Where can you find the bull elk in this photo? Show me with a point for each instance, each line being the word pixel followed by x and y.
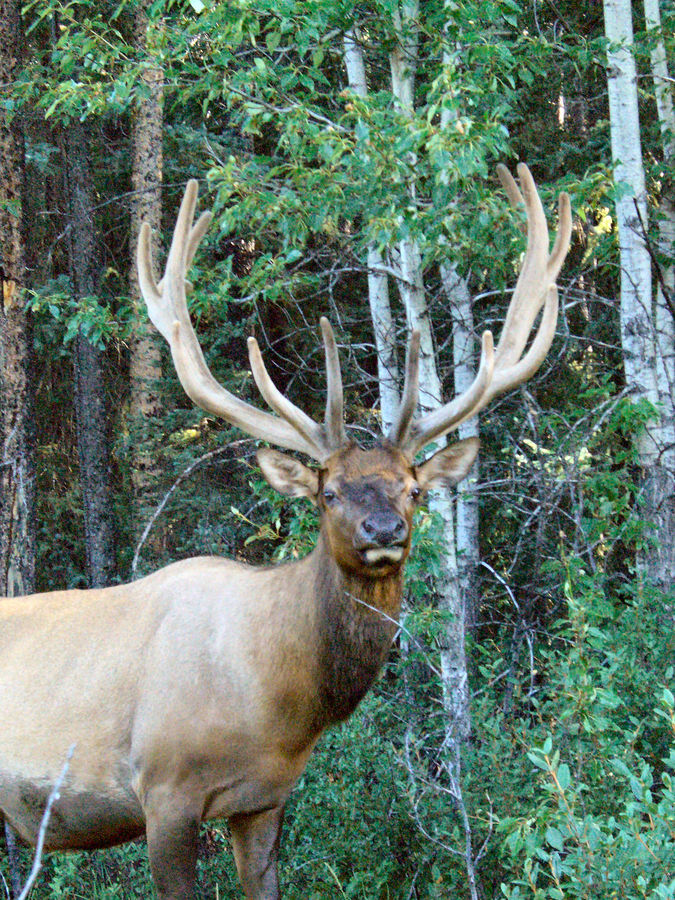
pixel 200 691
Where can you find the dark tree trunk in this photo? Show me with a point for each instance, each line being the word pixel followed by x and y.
pixel 93 432
pixel 146 359
pixel 17 515
pixel 17 436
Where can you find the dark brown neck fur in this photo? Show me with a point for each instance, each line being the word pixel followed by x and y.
pixel 356 617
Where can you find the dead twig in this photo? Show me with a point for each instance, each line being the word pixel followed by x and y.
pixel 670 303
pixel 230 450
pixel 51 800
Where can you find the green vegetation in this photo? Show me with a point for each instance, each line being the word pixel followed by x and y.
pixel 567 781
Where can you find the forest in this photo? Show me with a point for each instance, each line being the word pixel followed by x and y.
pixel 519 742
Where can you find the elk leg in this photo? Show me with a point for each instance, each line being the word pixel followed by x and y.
pixel 173 838
pixel 255 840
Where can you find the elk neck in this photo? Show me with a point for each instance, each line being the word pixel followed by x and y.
pixel 355 621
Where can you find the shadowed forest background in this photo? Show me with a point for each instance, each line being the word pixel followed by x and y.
pixel 521 740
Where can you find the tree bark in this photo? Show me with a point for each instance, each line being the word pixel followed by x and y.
pixel 17 438
pixel 378 282
pixel 639 317
pixel 146 358
pixel 17 432
pixel 456 289
pixel 93 430
pixel 664 479
pixel 403 61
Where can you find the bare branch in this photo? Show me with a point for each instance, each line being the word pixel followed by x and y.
pixel 39 847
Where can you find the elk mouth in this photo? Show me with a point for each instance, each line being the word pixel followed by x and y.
pixel 382 556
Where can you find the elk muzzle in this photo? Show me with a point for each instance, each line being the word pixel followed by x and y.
pixel 382 537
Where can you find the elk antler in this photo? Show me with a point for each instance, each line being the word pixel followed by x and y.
pixel 167 307
pixel 501 369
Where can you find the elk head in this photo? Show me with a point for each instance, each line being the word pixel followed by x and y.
pixel 366 497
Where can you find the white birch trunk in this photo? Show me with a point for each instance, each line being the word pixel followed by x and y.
pixel 456 290
pixel 664 476
pixel 637 333
pixel 403 59
pixel 640 320
pixel 378 283
pixel 665 320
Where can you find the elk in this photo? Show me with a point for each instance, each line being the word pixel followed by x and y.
pixel 199 691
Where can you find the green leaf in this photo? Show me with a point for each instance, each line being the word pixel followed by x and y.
pixel 564 778
pixel 554 838
pixel 538 760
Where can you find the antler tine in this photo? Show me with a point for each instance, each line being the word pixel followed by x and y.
pixel 504 379
pixel 437 423
pixel 300 421
pixel 334 418
pixel 512 190
pixel 400 428
pixel 562 238
pixel 535 287
pixel 168 311
pixel 167 306
pixel 203 389
pixel 530 291
pixel 146 279
pixel 197 232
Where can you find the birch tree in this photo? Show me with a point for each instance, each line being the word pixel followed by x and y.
pixel 378 280
pixel 408 262
pixel 646 337
pixel 456 289
pixel 665 221
pixel 403 64
pixel 408 266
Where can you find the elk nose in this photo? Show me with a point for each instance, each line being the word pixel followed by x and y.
pixel 383 529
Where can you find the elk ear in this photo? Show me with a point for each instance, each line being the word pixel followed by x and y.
pixel 449 466
pixel 287 475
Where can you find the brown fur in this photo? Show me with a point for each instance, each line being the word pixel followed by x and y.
pixel 201 690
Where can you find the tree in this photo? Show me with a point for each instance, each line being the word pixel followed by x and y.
pixel 17 522
pixel 646 323
pixel 17 497
pixel 146 206
pixel 93 427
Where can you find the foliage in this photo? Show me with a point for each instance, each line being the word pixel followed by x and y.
pixel 602 821
pixel 567 781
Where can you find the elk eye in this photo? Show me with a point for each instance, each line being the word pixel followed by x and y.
pixel 415 493
pixel 329 495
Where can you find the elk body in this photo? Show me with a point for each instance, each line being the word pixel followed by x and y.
pixel 201 690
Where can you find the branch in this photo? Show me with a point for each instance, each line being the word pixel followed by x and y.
pixel 659 274
pixel 53 797
pixel 207 457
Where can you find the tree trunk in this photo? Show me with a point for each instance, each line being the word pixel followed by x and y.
pixel 664 480
pixel 639 326
pixel 17 434
pixel 146 359
pixel 403 59
pixel 378 282
pixel 93 431
pixel 17 439
pixel 456 290
pixel 468 549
